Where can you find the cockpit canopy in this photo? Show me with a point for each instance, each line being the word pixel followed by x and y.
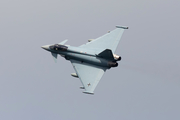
pixel 57 47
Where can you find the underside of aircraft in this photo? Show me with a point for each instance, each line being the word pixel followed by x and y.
pixel 92 59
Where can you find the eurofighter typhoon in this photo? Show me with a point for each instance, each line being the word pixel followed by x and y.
pixel 92 59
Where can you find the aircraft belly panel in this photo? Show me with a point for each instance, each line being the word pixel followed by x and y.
pixel 89 59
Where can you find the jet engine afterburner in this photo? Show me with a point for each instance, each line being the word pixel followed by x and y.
pixel 112 64
pixel 117 57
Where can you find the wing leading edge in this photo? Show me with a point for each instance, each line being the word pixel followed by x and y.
pixel 108 41
pixel 89 75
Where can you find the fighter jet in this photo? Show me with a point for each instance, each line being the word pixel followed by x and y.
pixel 92 59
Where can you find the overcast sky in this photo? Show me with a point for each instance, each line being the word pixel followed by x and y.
pixel 145 85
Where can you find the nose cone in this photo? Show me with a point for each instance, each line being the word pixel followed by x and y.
pixel 46 47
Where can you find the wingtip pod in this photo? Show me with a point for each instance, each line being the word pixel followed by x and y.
pixel 123 27
pixel 88 92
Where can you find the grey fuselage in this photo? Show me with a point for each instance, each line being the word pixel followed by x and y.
pixel 82 55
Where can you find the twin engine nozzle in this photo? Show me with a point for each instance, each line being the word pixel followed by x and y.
pixel 112 64
pixel 117 57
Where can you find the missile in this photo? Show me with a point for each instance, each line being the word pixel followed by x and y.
pixel 74 75
pixel 82 87
pixel 90 40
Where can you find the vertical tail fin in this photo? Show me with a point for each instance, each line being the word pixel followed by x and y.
pixel 106 54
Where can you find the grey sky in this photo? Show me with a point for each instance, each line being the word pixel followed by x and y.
pixel 145 86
